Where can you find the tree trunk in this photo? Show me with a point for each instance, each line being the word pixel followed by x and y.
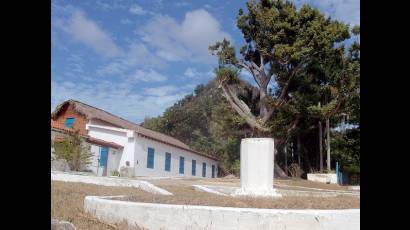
pixel 286 158
pixel 320 147
pixel 298 149
pixel 328 143
pixel 278 172
pixel 263 93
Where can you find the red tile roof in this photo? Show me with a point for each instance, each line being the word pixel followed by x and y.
pixel 104 143
pixel 92 112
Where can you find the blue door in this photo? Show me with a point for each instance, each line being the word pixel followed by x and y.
pixel 103 156
pixel 213 171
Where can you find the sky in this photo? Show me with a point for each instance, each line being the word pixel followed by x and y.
pixel 135 58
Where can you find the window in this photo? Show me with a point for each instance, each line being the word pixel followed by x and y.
pixel 213 171
pixel 69 122
pixel 168 162
pixel 181 165
pixel 203 169
pixel 193 167
pixel 150 158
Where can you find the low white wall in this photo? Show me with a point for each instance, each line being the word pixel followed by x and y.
pixel 323 177
pixel 108 181
pixel 169 217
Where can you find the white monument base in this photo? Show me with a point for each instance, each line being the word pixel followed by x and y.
pixel 257 156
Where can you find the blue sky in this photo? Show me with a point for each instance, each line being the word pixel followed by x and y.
pixel 136 58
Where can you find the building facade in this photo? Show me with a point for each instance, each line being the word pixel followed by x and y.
pixel 117 144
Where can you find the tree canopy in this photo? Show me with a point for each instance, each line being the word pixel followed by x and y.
pixel 287 46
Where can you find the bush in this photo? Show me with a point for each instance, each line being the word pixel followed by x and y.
pixel 115 173
pixel 295 170
pixel 72 150
pixel 236 168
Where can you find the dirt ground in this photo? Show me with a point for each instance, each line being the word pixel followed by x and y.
pixel 184 193
pixel 67 199
pixel 295 184
pixel 67 202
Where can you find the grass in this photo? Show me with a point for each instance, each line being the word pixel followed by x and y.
pixel 67 202
pixel 67 199
pixel 188 196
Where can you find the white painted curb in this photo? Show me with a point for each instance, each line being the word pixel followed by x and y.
pixel 108 181
pixel 205 189
pixel 175 217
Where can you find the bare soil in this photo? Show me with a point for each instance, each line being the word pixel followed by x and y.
pixel 67 199
pixel 67 203
pixel 185 194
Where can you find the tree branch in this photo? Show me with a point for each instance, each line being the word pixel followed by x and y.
pixel 244 65
pixel 242 109
pixel 292 126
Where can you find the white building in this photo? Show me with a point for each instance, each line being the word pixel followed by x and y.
pixel 117 143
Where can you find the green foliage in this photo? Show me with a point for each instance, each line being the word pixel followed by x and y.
pixel 236 168
pixel 228 74
pixel 206 122
pixel 73 151
pixel 303 52
pixel 115 173
pixel 346 150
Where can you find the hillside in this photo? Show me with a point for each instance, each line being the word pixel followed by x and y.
pixel 204 121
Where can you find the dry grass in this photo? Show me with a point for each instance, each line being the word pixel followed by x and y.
pixel 188 196
pixel 67 199
pixel 309 184
pixel 236 183
pixel 67 202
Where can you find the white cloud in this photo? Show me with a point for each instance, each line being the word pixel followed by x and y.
pixel 89 33
pixel 138 10
pixel 189 72
pixel 193 73
pixel 161 90
pixel 138 55
pixel 347 11
pixel 188 40
pixel 126 21
pixel 110 5
pixel 76 63
pixel 182 4
pixel 148 76
pixel 116 98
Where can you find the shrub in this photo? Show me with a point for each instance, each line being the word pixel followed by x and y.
pixel 236 167
pixel 73 151
pixel 115 173
pixel 295 170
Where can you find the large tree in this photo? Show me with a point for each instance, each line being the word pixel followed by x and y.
pixel 283 45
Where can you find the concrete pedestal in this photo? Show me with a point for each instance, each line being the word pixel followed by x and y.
pixel 257 156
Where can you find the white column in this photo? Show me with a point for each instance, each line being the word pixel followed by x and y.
pixel 257 160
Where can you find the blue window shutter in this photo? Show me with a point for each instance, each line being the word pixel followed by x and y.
pixel 213 171
pixel 168 162
pixel 181 165
pixel 203 169
pixel 69 122
pixel 193 167
pixel 150 158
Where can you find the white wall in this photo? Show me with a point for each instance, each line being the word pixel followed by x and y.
pixel 170 217
pixel 141 153
pixel 136 150
pixel 323 177
pixel 118 136
pixel 95 151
